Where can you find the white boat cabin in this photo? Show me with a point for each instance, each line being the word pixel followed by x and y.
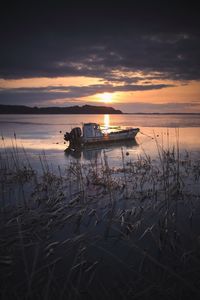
pixel 91 130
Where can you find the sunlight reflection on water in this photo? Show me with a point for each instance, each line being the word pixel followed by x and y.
pixel 43 132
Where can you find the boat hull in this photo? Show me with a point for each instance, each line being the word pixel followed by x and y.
pixel 113 137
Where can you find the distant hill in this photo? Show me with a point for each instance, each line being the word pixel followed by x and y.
pixel 85 109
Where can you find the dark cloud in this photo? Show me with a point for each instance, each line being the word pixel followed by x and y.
pixel 52 93
pixel 80 38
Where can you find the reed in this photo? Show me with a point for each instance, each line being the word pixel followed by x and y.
pixel 75 228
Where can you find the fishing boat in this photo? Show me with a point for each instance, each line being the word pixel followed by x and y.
pixel 92 134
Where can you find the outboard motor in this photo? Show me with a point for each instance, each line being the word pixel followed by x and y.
pixel 75 133
pixel 74 137
pixel 66 136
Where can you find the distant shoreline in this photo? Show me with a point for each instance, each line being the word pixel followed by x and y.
pixel 85 109
pixel 172 113
pixel 76 110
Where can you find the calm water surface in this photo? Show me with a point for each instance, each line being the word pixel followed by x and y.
pixel 38 133
pixel 106 242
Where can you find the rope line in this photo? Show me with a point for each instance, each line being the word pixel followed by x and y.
pixel 147 135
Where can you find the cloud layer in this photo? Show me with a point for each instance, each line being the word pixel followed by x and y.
pixel 93 40
pixel 129 44
pixel 36 95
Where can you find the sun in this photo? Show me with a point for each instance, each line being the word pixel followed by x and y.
pixel 106 97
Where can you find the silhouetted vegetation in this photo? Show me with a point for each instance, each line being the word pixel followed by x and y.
pixel 95 232
pixel 85 109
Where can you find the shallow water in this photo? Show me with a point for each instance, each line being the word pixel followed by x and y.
pixel 117 238
pixel 44 133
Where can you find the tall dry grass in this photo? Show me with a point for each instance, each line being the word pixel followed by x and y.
pixel 95 232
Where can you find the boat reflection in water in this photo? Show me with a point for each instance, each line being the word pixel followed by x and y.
pixel 89 141
pixel 92 152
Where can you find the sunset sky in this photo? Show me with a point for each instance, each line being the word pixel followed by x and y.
pixel 137 57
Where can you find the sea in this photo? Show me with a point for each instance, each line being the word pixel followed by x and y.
pixel 43 135
pixel 135 233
